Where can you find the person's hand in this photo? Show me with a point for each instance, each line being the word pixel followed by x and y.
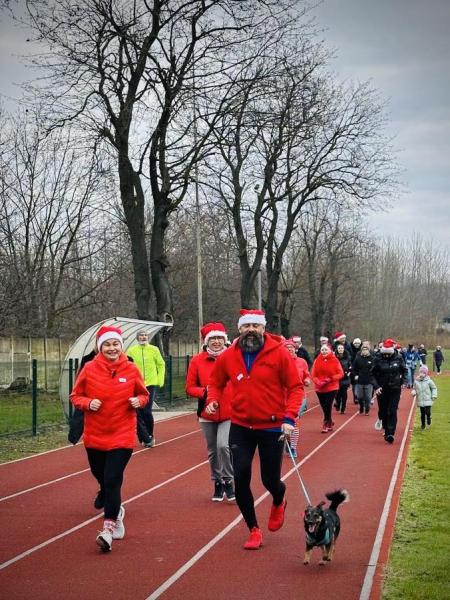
pixel 134 402
pixel 326 380
pixel 287 429
pixel 307 382
pixel 378 391
pixel 211 408
pixel 95 404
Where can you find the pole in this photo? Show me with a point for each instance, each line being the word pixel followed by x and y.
pixel 198 237
pixel 34 397
pixel 259 290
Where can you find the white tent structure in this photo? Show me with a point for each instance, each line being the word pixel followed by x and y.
pixel 86 342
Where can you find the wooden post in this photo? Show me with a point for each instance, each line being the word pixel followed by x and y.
pixel 45 364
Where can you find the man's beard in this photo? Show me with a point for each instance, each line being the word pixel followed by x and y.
pixel 251 342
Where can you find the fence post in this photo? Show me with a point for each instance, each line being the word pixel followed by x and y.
pixel 170 380
pixel 70 385
pixel 34 397
pixel 45 364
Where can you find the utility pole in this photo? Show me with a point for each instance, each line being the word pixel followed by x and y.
pixel 197 223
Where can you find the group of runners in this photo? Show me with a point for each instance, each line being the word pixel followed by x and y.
pixel 251 395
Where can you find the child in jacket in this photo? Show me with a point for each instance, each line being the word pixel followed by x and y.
pixel 425 391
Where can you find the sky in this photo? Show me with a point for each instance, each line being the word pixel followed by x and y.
pixel 403 48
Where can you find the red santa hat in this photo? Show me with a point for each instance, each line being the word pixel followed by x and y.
pixel 251 316
pixel 339 335
pixel 210 330
pixel 107 332
pixel 388 346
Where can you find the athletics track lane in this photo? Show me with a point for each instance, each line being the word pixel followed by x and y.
pixel 169 525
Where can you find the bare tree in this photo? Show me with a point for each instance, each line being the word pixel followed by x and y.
pixel 125 71
pixel 47 192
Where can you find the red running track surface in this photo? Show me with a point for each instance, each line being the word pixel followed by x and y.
pixel 178 543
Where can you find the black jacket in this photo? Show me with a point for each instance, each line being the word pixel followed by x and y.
pixel 438 357
pixel 362 369
pixel 346 364
pixel 302 352
pixel 389 371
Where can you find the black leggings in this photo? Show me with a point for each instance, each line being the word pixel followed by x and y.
pixel 145 419
pixel 243 443
pixel 326 403
pixel 425 413
pixel 107 466
pixel 341 398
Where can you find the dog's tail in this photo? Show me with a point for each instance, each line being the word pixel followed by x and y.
pixel 337 497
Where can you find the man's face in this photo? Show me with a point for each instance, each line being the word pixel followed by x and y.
pixel 142 338
pixel 251 336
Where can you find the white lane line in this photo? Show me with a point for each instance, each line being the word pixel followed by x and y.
pixel 373 560
pixel 9 462
pixel 198 555
pixel 15 559
pixel 41 485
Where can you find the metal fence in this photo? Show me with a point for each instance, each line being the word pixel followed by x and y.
pixel 34 401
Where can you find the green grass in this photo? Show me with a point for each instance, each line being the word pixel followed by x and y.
pixel 16 411
pixel 419 566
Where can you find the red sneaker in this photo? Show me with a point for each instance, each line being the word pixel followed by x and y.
pixel 255 540
pixel 276 518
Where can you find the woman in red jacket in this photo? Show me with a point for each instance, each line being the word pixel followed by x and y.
pixel 108 390
pixel 326 373
pixel 216 427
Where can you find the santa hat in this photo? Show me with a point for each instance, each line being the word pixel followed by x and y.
pixel 107 332
pixel 296 338
pixel 251 316
pixel 323 340
pixel 357 341
pixel 388 346
pixel 210 330
pixel 338 335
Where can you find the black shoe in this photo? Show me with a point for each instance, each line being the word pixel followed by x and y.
pixel 229 490
pixel 99 501
pixel 218 492
pixel 422 426
pixel 150 442
pixel 389 438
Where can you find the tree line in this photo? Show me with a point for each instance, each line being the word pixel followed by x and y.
pixel 150 118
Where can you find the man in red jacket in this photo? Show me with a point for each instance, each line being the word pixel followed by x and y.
pixel 265 399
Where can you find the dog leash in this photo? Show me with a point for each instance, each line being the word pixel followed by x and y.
pixel 288 446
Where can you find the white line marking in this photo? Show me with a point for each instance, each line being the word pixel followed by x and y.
pixel 41 485
pixel 89 521
pixel 191 562
pixel 373 560
pixel 9 462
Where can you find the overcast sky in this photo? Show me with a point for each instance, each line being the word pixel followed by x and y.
pixel 403 46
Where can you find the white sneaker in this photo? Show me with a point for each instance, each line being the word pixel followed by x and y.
pixel 104 539
pixel 378 425
pixel 119 528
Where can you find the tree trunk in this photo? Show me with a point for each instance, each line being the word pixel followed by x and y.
pixel 133 204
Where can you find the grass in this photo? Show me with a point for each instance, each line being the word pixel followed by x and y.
pixel 419 564
pixel 16 411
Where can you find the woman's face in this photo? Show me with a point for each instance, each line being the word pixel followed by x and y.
pixel 111 349
pixel 291 350
pixel 216 343
pixel 340 349
pixel 324 351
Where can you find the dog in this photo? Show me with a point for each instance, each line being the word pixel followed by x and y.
pixel 322 526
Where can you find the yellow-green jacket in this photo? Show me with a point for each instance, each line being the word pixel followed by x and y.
pixel 150 363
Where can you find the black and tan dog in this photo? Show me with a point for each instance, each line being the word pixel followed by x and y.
pixel 322 526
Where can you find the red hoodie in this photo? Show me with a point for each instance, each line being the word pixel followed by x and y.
pixel 114 383
pixel 259 398
pixel 326 373
pixel 197 378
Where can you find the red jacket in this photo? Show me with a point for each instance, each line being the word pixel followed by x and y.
pixel 197 378
pixel 114 383
pixel 326 373
pixel 259 399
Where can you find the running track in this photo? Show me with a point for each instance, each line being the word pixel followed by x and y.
pixel 178 543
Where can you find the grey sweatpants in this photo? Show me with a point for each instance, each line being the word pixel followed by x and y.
pixel 219 455
pixel 364 395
